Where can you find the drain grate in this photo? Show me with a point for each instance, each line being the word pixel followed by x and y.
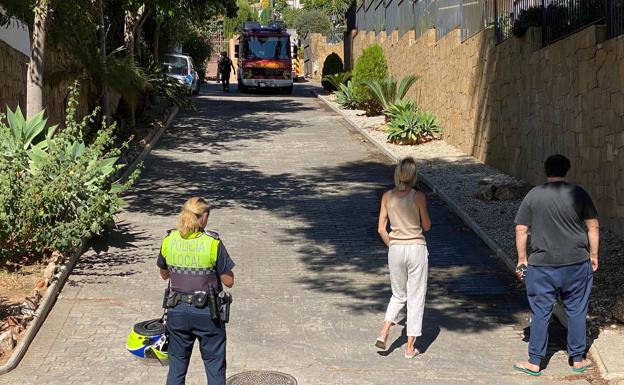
pixel 261 377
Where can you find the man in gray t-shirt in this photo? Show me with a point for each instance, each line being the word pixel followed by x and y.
pixel 563 224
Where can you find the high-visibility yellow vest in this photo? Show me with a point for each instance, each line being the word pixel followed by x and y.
pixel 195 254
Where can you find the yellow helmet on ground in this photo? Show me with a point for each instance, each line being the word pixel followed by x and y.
pixel 148 340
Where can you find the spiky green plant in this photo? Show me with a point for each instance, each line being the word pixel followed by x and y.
pixel 397 108
pixel 335 80
pixel 345 97
pixel 412 127
pixel 388 91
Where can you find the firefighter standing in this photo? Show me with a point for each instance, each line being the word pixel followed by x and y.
pixel 225 64
pixel 197 263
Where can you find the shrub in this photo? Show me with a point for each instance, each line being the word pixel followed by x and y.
pixel 197 46
pixel 371 65
pixel 332 65
pixel 55 188
pixel 412 127
pixel 313 21
pixel 387 92
pixel 335 80
pixel 344 96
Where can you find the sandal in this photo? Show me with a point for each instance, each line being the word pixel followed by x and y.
pixel 380 343
pixel 410 356
pixel 520 367
pixel 583 368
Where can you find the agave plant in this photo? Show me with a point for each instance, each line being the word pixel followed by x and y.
pixel 412 127
pixel 396 109
pixel 335 80
pixel 388 91
pixel 345 96
pixel 22 134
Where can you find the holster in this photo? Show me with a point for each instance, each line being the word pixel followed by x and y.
pixel 225 300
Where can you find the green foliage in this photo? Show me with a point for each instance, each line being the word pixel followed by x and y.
pixel 55 187
pixel 387 91
pixel 335 80
pixel 397 108
pixel 231 25
pixel 344 96
pixel 163 89
pixel 313 21
pixel 371 65
pixel 335 8
pixel 197 45
pixel 411 127
pixel 332 65
pixel 289 16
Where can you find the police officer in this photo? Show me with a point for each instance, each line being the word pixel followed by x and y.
pixel 225 64
pixel 197 264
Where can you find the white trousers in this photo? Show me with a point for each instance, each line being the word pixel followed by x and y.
pixel 408 277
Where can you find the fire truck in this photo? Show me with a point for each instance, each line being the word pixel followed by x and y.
pixel 265 58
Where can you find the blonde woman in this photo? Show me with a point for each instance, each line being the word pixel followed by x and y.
pixel 407 255
pixel 197 263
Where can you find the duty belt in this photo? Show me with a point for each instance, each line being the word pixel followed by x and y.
pixel 219 304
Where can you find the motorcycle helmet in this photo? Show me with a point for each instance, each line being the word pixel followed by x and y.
pixel 148 340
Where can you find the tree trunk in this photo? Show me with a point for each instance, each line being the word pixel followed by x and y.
pixel 156 40
pixel 105 98
pixel 129 23
pixel 132 23
pixel 34 85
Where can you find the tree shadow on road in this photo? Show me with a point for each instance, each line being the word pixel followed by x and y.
pixel 335 211
pixel 110 256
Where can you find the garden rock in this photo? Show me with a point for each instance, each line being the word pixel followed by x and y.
pixel 501 191
pixel 30 305
pixel 49 271
pixel 7 342
pixel 618 309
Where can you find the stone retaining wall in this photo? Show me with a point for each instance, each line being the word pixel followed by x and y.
pixel 13 67
pixel 513 104
pixel 320 49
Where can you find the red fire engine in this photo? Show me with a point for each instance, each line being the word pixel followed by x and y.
pixel 264 58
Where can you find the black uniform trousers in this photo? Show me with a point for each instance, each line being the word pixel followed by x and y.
pixel 225 80
pixel 186 323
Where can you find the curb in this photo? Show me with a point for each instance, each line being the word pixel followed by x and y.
pixel 42 311
pixel 60 278
pixel 558 310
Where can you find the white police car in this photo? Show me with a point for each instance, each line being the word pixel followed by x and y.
pixel 182 68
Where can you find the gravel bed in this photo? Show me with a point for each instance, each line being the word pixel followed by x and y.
pixel 458 175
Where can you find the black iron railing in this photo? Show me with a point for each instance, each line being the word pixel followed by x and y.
pixel 565 17
pixel 615 18
pixel 558 18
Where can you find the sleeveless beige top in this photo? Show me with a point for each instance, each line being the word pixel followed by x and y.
pixel 404 220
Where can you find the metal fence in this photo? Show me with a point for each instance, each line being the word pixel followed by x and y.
pixel 615 18
pixel 420 15
pixel 558 18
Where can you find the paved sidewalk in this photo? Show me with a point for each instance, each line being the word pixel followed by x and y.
pixel 296 197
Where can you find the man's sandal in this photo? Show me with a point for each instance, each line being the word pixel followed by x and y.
pixel 520 367
pixel 582 369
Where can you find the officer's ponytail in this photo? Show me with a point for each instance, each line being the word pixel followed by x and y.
pixel 188 221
